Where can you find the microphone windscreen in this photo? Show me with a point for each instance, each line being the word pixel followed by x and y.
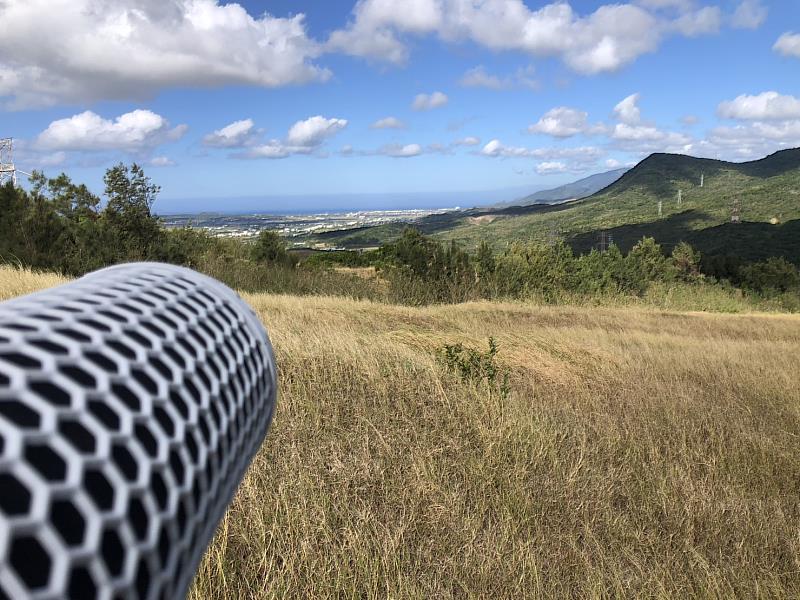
pixel 132 401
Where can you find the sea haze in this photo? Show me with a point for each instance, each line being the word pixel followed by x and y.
pixel 302 204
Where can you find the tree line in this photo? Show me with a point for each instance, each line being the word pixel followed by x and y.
pixel 61 226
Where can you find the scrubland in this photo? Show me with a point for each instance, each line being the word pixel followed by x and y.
pixel 636 453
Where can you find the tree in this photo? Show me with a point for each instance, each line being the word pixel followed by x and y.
pixel 131 195
pixel 270 248
pixel 775 273
pixel 685 262
pixel 485 259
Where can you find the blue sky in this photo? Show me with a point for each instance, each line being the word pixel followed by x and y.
pixel 285 104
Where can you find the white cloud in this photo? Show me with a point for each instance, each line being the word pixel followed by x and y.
pixel 666 4
pixel 388 123
pixel 236 135
pixel 272 149
pixel 312 131
pixel 627 111
pixel 429 101
pixel 700 22
pixel 400 151
pixel 551 168
pixel 437 148
pixel 749 141
pixel 136 131
pixel 768 106
pixel 479 77
pixel 607 39
pixel 648 138
pixel 561 122
pixel 788 44
pixel 689 120
pixel 304 137
pixel 161 161
pixel 585 154
pixel 750 14
pixel 55 51
pixel 613 163
pixel 467 141
pixel 372 32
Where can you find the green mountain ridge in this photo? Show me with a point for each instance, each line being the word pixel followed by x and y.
pixel 767 192
pixel 569 191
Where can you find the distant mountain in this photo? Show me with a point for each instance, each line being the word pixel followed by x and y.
pixel 569 191
pixel 661 197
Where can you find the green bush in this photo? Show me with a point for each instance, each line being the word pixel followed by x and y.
pixel 476 366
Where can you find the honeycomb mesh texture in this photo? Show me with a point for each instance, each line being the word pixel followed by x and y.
pixel 131 403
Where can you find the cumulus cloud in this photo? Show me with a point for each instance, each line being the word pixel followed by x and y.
pixel 480 77
pixel 561 122
pixel 429 101
pixel 763 107
pixel 551 167
pixel 586 154
pixel 750 14
pixel 400 151
pixel 84 50
pixel 703 21
pixel 388 123
pixel 633 135
pixel 468 141
pixel 161 161
pixel 612 36
pixel 236 135
pixel 138 131
pixel 666 4
pixel 371 33
pixel 304 137
pixel 788 44
pixel 647 138
pixel 313 131
pixel 748 141
pixel 627 111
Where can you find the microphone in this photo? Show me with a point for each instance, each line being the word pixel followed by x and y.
pixel 132 401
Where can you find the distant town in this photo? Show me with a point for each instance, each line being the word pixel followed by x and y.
pixel 294 227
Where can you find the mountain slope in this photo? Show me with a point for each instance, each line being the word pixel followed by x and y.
pixel 577 189
pixel 766 190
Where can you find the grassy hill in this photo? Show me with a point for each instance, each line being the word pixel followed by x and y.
pixel 767 190
pixel 638 453
pixel 577 189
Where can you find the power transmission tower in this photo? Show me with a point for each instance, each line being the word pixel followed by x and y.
pixel 680 198
pixel 702 179
pixel 660 208
pixel 736 213
pixel 8 171
pixel 605 241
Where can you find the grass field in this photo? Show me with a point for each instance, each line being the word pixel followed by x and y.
pixel 640 453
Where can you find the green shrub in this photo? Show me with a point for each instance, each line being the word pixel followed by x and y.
pixel 476 366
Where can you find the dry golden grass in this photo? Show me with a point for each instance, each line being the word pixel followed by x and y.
pixel 640 454
pixel 18 282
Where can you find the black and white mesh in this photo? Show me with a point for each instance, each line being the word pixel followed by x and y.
pixel 131 402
